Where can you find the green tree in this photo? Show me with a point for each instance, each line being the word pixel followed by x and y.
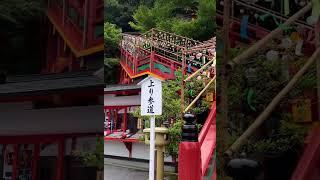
pixel 192 18
pixel 120 12
pixel 112 37
pixel 21 36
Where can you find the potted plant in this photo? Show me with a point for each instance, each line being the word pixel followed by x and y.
pixel 280 151
pixel 94 158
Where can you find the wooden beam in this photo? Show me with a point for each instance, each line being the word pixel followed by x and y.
pixel 60 160
pixel 263 42
pixel 200 94
pixel 35 160
pixel 15 166
pixel 264 115
pixel 199 70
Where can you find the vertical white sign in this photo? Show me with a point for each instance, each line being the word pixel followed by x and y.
pixel 151 105
pixel 151 96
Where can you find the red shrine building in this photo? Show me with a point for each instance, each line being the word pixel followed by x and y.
pixel 75 35
pixel 47 116
pixel 162 55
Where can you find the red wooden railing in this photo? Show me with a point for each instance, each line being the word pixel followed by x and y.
pixel 207 139
pixel 194 157
pixel 309 165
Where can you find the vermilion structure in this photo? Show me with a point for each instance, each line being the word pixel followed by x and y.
pixel 75 35
pixel 160 54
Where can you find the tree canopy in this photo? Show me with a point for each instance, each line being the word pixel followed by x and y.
pixel 21 36
pixel 191 18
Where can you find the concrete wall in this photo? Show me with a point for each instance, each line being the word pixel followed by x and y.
pixel 139 150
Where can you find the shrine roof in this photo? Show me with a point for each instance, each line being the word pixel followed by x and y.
pixel 121 87
pixel 44 83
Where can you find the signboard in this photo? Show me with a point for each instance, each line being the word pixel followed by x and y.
pixel 151 105
pixel 151 96
pixel 301 110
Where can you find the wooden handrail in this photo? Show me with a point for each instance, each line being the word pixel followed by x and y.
pixel 209 121
pixel 199 70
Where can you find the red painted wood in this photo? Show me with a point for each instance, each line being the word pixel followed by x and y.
pixel 189 152
pixel 35 160
pixel 125 120
pixel 15 165
pixel 43 138
pixel 309 164
pixel 60 160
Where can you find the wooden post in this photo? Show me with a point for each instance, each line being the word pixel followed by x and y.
pixel 182 80
pixel 263 42
pixel 264 115
pixel 15 165
pixel 317 35
pixel 224 83
pixel 60 160
pixel 36 155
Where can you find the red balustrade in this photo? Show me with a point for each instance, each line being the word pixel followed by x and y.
pixel 194 157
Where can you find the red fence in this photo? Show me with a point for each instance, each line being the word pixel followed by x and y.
pixel 194 157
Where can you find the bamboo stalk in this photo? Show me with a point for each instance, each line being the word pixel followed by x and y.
pixel 199 70
pixel 275 101
pixel 263 42
pixel 200 94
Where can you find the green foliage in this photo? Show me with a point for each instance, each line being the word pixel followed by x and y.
pixel 18 11
pixel 289 138
pixel 174 138
pixel 172 110
pixel 176 16
pixel 20 21
pixel 120 12
pixel 112 37
pixel 95 158
pixel 111 70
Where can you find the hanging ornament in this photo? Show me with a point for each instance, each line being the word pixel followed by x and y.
pixel 198 56
pixel 312 20
pixel 272 55
pixel 286 43
pixel 244 27
pixel 298 50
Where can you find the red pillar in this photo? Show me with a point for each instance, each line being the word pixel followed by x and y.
pixel 189 161
pixel 152 59
pixel 125 120
pixel 59 170
pixel 35 160
pixel 15 161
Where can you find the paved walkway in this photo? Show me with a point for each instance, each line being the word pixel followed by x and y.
pixel 119 173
